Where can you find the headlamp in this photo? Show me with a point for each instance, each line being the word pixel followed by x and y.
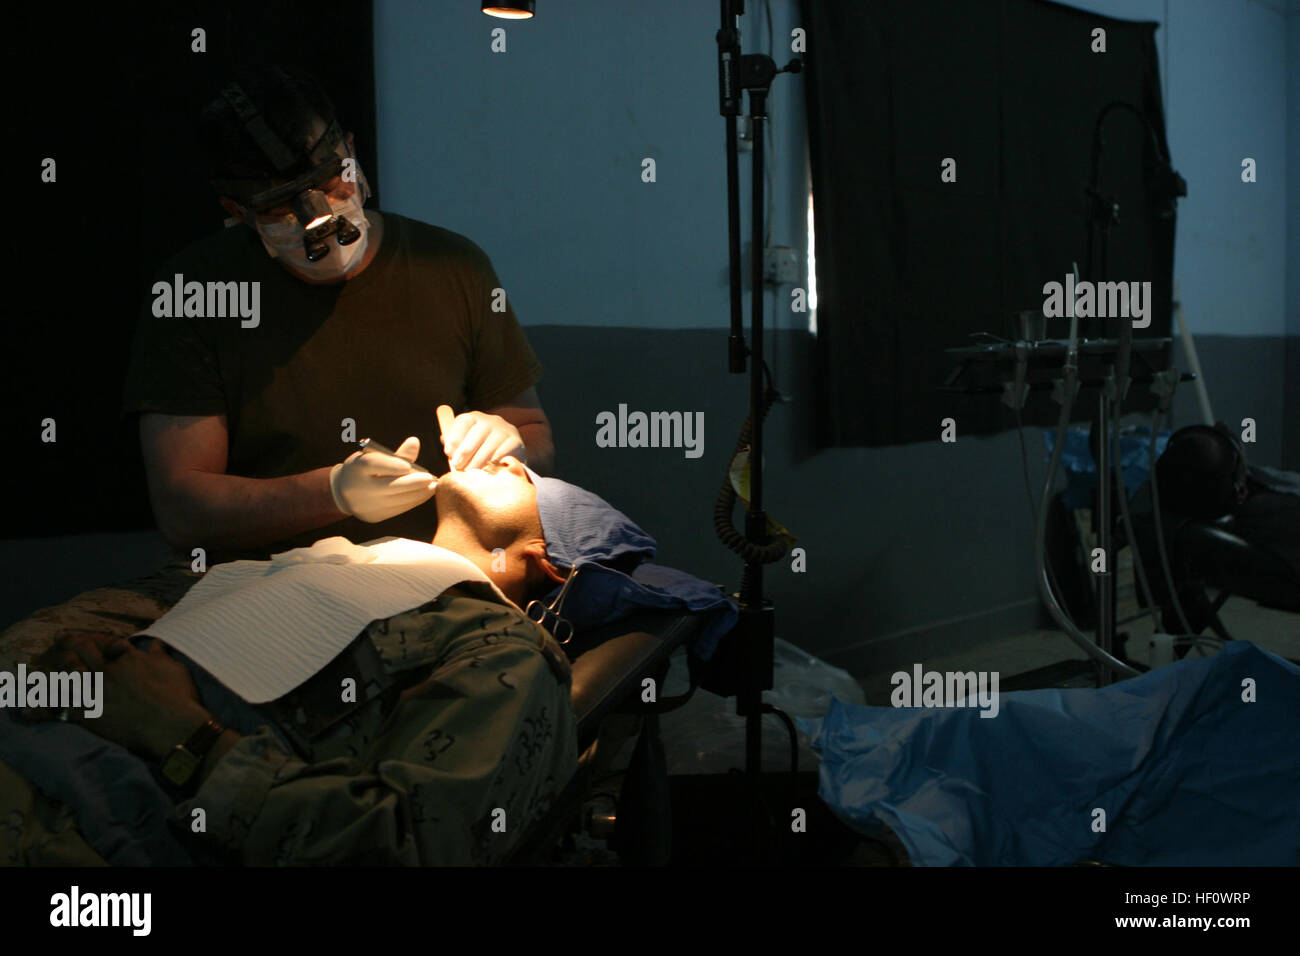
pixel 304 173
pixel 318 220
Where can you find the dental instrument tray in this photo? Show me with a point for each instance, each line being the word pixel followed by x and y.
pixel 983 366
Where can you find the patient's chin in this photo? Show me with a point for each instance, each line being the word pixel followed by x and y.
pixel 485 490
pixel 488 506
pixel 463 483
pixel 450 494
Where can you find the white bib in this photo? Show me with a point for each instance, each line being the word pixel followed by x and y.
pixel 264 627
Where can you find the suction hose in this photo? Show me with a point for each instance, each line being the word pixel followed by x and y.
pixel 1040 548
pixel 1160 531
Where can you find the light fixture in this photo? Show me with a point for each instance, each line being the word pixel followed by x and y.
pixel 520 10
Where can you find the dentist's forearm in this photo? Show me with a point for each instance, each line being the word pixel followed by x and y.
pixel 541 447
pixel 209 510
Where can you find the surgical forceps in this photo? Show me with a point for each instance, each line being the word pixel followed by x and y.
pixel 549 616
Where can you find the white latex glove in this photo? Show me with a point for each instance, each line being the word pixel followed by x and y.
pixel 475 439
pixel 374 487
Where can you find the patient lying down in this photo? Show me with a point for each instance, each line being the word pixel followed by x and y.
pixel 457 734
pixel 491 508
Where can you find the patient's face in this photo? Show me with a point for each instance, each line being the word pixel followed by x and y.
pixel 498 502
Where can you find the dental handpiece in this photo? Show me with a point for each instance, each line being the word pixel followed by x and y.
pixel 369 444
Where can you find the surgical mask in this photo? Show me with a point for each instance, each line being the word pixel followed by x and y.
pixel 286 239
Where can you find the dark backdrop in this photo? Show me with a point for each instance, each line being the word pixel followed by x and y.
pixel 909 265
pixel 113 97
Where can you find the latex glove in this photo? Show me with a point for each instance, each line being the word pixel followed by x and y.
pixel 476 438
pixel 374 487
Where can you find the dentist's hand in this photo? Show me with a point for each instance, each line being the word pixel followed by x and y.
pixel 374 487
pixel 473 439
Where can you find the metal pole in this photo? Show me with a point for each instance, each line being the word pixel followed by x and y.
pixel 1106 578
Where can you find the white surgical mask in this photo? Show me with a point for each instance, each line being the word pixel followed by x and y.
pixel 285 239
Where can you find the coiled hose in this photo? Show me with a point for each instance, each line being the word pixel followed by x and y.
pixel 726 499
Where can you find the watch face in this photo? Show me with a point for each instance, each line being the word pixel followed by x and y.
pixel 180 766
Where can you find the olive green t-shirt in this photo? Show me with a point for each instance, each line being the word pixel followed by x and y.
pixel 415 330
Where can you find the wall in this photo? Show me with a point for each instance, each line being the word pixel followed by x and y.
pixel 1291 458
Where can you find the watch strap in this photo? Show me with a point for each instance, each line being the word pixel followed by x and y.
pixel 179 770
pixel 203 739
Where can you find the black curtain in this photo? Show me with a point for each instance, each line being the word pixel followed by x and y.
pixel 908 265
pixel 112 94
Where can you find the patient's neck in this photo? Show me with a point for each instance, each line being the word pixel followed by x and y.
pixel 455 536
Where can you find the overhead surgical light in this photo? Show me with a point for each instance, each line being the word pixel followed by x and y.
pixel 521 10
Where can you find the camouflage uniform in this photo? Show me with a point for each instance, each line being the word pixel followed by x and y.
pixel 460 735
pixel 120 609
pixel 471 743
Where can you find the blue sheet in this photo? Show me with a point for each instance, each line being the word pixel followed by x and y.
pixel 1081 470
pixel 602 595
pixel 585 532
pixel 1186 771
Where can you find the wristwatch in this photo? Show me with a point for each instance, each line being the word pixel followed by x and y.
pixel 182 763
